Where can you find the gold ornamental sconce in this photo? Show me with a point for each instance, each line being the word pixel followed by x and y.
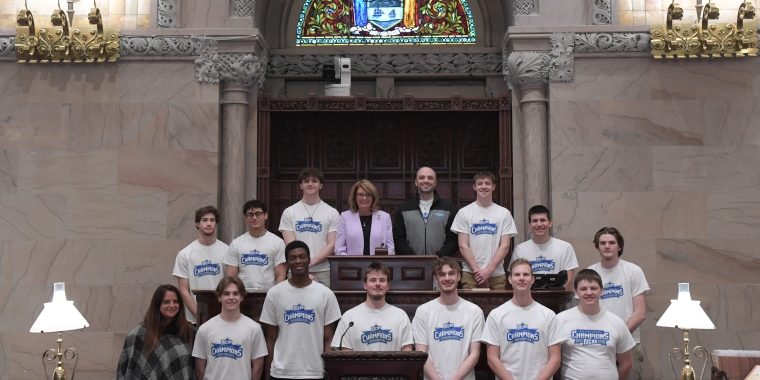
pixel 61 44
pixel 705 39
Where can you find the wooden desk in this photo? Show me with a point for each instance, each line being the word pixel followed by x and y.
pixel 407 272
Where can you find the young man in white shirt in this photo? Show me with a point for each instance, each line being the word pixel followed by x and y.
pixel 299 318
pixel 230 345
pixel 257 256
pixel 598 344
pixel 199 265
pixel 625 289
pixel 448 328
pixel 374 325
pixel 313 222
pixel 546 254
pixel 522 336
pixel 484 230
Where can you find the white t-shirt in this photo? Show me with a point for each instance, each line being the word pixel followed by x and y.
pixel 523 335
pixel 425 208
pixel 486 226
pixel 202 266
pixel 448 331
pixel 311 227
pixel 592 344
pixel 621 283
pixel 551 257
pixel 301 315
pixel 229 347
pixel 384 329
pixel 256 258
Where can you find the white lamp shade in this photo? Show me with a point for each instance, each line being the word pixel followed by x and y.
pixel 684 313
pixel 59 314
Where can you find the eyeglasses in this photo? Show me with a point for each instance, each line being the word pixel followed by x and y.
pixel 257 214
pixel 363 195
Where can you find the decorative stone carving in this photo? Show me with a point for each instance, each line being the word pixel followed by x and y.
pixel 242 68
pixel 167 14
pixel 523 7
pixel 243 8
pixel 561 67
pixel 611 42
pixel 601 12
pixel 159 46
pixel 7 46
pixel 389 63
pixel 526 68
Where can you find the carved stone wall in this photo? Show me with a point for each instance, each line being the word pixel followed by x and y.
pixel 7 46
pixel 389 63
pixel 167 14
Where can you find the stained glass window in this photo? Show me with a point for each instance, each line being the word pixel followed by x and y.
pixel 381 22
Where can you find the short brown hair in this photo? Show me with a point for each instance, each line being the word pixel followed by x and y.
pixel 378 266
pixel 226 281
pixel 484 175
pixel 206 210
pixel 520 261
pixel 443 261
pixel 610 231
pixel 368 187
pixel 589 275
pixel 311 172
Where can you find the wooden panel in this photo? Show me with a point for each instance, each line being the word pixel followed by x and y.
pixel 385 146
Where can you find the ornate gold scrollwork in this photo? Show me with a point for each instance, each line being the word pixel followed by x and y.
pixel 705 40
pixel 60 44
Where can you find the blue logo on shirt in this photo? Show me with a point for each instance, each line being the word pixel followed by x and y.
pixel 309 225
pixel 207 269
pixel 448 332
pixel 376 334
pixel 542 264
pixel 590 337
pixel 226 349
pixel 523 334
pixel 612 291
pixel 483 228
pixel 255 258
pixel 439 214
pixel 299 315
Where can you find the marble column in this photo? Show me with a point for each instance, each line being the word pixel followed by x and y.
pixel 527 72
pixel 535 148
pixel 232 160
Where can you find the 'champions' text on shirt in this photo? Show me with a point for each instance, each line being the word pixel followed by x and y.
pixel 590 337
pixel 226 349
pixel 299 314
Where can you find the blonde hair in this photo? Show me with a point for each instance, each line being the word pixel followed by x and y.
pixel 369 188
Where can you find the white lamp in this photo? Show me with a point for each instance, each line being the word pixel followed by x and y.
pixel 686 314
pixel 59 315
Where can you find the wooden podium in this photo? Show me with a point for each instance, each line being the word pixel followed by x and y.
pixel 371 364
pixel 411 286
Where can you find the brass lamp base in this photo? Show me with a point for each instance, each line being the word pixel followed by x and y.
pixel 687 373
pixel 52 355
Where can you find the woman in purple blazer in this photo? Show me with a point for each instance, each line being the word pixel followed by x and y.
pixel 364 228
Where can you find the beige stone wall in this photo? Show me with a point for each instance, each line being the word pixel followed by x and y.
pixel 101 170
pixel 117 14
pixel 667 152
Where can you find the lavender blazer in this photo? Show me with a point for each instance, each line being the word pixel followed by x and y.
pixel 350 240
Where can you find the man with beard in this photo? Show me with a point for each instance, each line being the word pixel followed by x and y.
pixel 199 265
pixel 257 256
pixel 374 325
pixel 299 318
pixel 522 335
pixel 423 224
pixel 448 328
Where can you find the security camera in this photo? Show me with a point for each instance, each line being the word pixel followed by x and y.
pixel 337 77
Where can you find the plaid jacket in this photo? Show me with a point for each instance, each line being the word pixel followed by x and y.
pixel 171 360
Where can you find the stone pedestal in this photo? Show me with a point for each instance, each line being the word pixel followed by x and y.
pixel 232 160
